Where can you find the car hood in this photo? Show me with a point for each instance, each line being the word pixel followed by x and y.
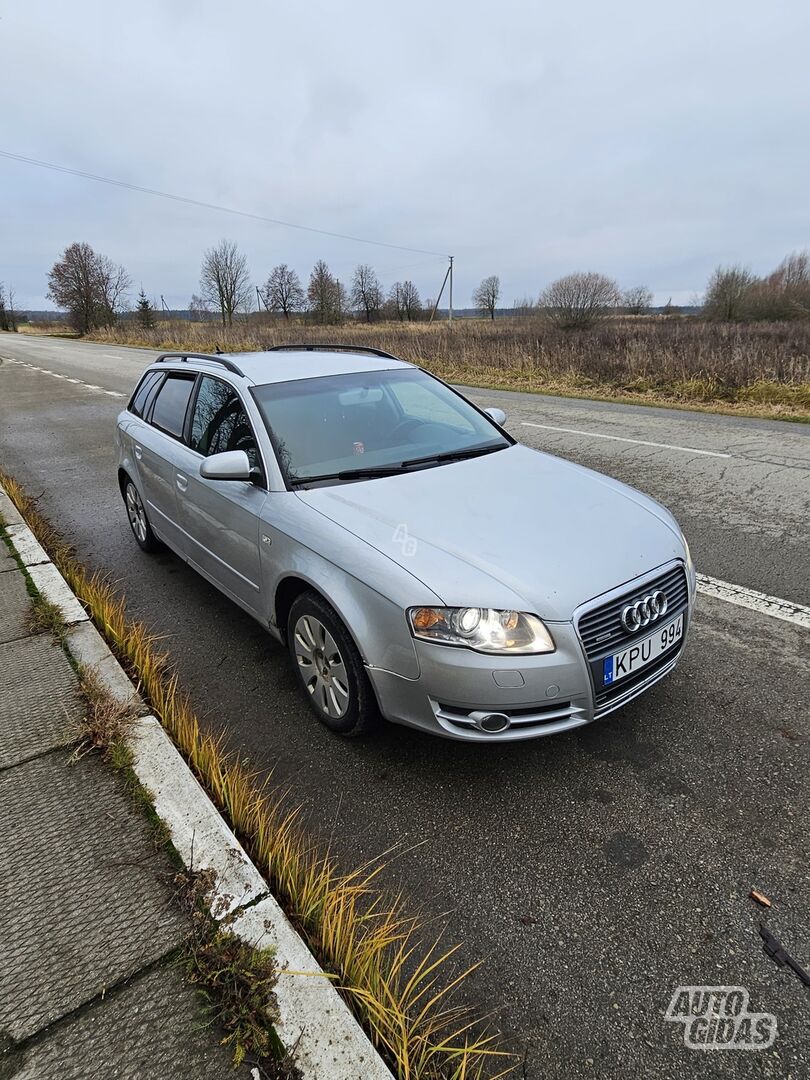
pixel 516 528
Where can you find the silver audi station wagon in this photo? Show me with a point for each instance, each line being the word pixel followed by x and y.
pixel 417 561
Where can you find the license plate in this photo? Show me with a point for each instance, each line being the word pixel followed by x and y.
pixel 642 652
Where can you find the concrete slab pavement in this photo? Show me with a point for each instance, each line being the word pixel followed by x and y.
pixel 148 1029
pixel 89 981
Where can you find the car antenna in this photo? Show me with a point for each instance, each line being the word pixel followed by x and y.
pixel 218 351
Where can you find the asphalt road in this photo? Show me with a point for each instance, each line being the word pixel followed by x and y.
pixel 595 871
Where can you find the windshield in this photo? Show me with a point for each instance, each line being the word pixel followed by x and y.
pixel 357 425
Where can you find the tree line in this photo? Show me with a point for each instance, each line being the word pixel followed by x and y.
pixel 734 294
pixel 93 290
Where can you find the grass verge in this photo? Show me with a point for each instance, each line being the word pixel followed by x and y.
pixel 398 978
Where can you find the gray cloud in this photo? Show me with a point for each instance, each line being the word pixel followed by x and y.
pixel 650 143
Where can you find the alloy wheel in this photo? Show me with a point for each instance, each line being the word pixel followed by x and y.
pixel 322 667
pixel 136 513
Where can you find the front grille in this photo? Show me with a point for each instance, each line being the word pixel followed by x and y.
pixel 602 634
pixel 601 631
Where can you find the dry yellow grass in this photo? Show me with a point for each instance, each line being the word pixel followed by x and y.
pixel 761 369
pixel 397 978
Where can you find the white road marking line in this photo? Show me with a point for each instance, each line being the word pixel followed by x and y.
pixel 622 438
pixel 756 601
pixel 112 356
pixel 57 375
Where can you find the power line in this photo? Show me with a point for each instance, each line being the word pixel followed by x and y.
pixel 211 206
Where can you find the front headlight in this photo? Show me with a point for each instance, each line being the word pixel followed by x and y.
pixel 483 629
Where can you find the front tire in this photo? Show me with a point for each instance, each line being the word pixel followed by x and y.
pixel 138 521
pixel 329 667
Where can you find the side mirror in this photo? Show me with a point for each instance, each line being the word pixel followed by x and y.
pixel 498 415
pixel 229 465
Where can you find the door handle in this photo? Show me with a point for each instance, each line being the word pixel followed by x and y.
pixel 182 482
pixel 138 452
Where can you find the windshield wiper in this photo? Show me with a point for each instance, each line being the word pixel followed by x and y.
pixel 454 455
pixel 392 470
pixel 349 474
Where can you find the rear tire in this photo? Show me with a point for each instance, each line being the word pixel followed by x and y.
pixel 138 521
pixel 329 667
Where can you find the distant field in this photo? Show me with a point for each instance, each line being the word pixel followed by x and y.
pixel 760 369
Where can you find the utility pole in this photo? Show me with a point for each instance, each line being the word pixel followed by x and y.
pixel 450 309
pixel 165 306
pixel 447 274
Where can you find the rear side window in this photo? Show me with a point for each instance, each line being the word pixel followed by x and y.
pixel 144 393
pixel 169 410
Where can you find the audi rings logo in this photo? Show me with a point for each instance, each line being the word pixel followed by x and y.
pixel 644 611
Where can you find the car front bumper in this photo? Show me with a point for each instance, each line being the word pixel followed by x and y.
pixel 458 690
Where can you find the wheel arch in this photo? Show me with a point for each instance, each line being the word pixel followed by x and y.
pixel 123 477
pixel 371 621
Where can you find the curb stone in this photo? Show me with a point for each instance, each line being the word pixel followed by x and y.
pixel 316 1027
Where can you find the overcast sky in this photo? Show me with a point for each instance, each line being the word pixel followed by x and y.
pixel 647 141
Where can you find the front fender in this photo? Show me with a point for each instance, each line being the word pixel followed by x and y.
pixel 377 625
pixel 368 590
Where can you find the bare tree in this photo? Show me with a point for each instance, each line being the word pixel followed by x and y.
pixel 283 291
pixel 638 300
pixel 114 283
pixel 793 271
pixel 411 304
pixel 8 319
pixel 784 294
pixel 326 296
pixel 580 300
pixel 225 281
pixel 404 300
pixel 728 293
pixel 400 299
pixel 89 286
pixel 11 312
pixel 366 294
pixel 198 309
pixel 485 297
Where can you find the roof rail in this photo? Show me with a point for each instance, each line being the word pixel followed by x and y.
pixel 333 348
pixel 183 357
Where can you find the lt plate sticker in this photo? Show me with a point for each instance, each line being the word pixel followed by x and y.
pixel 642 653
